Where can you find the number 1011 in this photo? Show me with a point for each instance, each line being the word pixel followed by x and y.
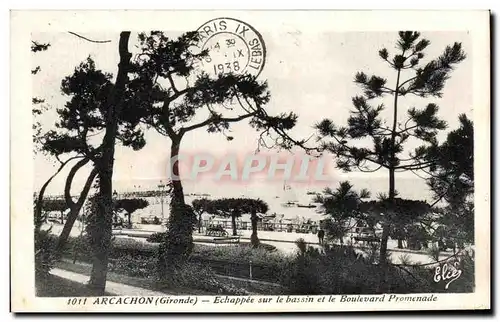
pixel 226 67
pixel 77 301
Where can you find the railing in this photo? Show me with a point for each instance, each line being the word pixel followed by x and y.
pixel 242 270
pixel 262 226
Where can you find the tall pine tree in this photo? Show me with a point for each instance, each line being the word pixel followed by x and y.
pixel 175 103
pixel 369 142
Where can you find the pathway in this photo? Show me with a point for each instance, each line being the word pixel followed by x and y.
pixel 111 287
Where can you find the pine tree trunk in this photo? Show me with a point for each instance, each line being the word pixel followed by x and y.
pixel 385 236
pixel 39 220
pixel 233 222
pixel 101 236
pixel 392 192
pixel 103 224
pixel 181 220
pixel 68 226
pixel 199 223
pixel 74 210
pixel 400 243
pixel 254 238
pixel 178 191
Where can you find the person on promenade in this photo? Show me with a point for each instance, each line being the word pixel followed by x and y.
pixel 321 236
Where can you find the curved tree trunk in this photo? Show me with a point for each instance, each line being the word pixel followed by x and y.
pixel 39 202
pixel 254 239
pixel 74 208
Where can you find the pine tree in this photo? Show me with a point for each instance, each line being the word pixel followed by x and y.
pixel 342 206
pixel 235 207
pixel 171 97
pixel 97 108
pixel 384 143
pixel 451 178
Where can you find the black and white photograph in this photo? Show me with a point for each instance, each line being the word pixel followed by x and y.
pixel 251 161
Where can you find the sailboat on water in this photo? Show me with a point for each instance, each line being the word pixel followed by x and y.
pixel 289 196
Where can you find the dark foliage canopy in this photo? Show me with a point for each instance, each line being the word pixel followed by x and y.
pixel 85 114
pixel 236 206
pixel 452 170
pixel 131 205
pixel 54 205
pixel 170 92
pixel 451 178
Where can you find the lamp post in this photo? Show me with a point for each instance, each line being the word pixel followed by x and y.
pixel 113 209
pixel 161 186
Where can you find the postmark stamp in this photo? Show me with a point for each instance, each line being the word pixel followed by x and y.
pixel 233 46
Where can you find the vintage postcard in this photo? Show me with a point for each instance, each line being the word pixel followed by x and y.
pixel 250 161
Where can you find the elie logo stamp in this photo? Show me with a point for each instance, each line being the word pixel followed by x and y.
pixel 233 47
pixel 447 272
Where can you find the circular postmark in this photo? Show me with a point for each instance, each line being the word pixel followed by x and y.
pixel 233 47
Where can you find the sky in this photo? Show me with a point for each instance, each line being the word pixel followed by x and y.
pixel 308 72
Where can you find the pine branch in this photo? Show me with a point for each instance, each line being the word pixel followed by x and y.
pixel 416 166
pixel 172 84
pixel 90 40
pixel 350 154
pixel 369 171
pixel 69 181
pixel 281 133
pixel 215 119
pixel 406 82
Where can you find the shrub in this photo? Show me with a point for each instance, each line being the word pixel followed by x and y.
pixel 134 265
pixel 405 259
pixel 300 275
pixel 156 237
pixel 433 252
pixel 235 261
pixel 464 261
pixel 239 254
pixel 130 246
pixel 196 276
pixel 343 271
pixel 466 282
pixel 44 253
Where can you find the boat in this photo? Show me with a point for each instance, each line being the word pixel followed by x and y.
pixel 289 195
pixel 306 206
pixel 288 204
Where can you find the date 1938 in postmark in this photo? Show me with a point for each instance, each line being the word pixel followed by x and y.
pixel 233 47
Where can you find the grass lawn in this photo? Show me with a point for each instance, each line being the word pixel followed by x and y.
pixel 85 268
pixel 55 286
